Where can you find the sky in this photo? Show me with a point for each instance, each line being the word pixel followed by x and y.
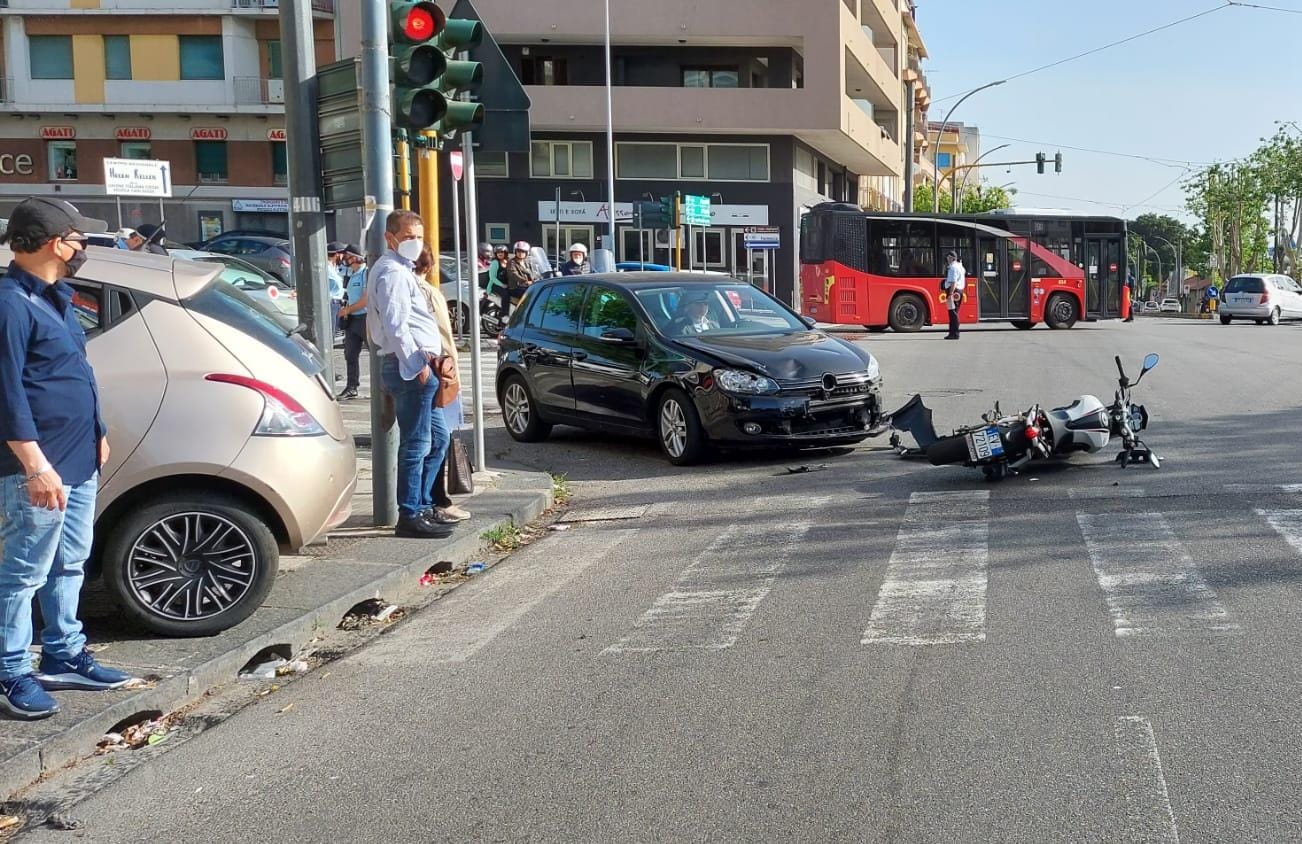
pixel 1203 91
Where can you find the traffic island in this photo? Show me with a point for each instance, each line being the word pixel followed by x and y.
pixel 304 602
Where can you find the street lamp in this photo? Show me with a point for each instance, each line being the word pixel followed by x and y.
pixel 957 191
pixel 935 153
pixel 1179 261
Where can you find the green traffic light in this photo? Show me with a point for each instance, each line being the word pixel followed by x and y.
pixel 461 34
pixel 461 116
pixel 418 108
pixel 462 76
pixel 417 66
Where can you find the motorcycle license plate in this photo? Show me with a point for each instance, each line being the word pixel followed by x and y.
pixel 984 444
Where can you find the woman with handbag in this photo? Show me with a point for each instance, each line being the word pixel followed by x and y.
pixel 455 475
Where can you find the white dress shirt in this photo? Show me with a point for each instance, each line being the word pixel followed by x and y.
pixel 398 317
pixel 955 282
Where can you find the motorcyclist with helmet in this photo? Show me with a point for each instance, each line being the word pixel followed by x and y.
pixel 578 263
pixel 520 274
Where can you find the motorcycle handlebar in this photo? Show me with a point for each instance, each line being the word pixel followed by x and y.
pixel 1120 369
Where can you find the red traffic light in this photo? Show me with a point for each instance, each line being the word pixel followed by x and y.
pixel 418 22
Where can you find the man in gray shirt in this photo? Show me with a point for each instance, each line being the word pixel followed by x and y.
pixel 407 337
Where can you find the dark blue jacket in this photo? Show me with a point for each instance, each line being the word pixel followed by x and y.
pixel 47 387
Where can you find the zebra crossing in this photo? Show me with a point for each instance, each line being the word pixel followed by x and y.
pixel 932 587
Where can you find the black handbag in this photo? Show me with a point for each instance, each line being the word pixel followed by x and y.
pixel 461 475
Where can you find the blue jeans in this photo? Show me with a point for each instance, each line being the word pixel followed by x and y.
pixel 422 438
pixel 45 553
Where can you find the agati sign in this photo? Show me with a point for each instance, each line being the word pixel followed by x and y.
pixel 58 133
pixel 208 133
pixel 275 134
pixel 133 133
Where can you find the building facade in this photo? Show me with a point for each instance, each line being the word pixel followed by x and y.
pixel 196 83
pixel 766 108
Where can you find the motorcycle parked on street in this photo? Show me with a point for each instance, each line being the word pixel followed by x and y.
pixel 1006 444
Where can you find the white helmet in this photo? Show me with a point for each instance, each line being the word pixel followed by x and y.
pixel 578 247
pixel 521 246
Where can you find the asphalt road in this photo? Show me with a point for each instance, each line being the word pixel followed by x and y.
pixel 875 650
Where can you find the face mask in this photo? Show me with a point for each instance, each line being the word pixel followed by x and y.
pixel 75 262
pixel 410 249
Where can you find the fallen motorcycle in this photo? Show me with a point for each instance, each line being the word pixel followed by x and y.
pixel 1006 444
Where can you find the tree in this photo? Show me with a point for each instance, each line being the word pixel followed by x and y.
pixel 977 199
pixel 1156 230
pixel 1279 163
pixel 1231 201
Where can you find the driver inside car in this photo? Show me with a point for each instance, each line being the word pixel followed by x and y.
pixel 695 318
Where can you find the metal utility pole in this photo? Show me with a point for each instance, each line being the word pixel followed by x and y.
pixel 456 245
pixel 472 255
pixel 909 131
pixel 935 154
pixel 377 145
pixel 610 132
pixel 306 219
pixel 960 188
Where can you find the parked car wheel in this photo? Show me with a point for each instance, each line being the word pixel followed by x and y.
pixel 908 313
pixel 194 564
pixel 521 412
pixel 461 324
pixel 678 428
pixel 1226 319
pixel 1061 311
pixel 1273 319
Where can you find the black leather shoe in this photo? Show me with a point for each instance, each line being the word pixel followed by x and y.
pixel 420 528
pixel 347 394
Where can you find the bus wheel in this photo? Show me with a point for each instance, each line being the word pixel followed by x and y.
pixel 1023 324
pixel 908 313
pixel 877 329
pixel 1061 311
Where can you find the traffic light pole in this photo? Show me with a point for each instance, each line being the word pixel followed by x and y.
pixel 377 146
pixel 306 219
pixel 472 256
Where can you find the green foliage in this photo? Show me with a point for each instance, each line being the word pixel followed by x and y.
pixel 976 199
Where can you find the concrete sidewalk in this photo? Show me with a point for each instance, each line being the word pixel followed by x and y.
pixel 312 593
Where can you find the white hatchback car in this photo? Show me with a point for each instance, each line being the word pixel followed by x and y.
pixel 1170 306
pixel 1265 298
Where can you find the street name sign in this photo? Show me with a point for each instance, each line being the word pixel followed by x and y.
pixel 137 177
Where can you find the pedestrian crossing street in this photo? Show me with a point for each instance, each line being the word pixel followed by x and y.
pixel 934 582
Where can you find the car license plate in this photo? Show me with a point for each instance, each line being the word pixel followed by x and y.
pixel 984 444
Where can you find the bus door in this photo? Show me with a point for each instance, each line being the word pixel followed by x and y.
pixel 1003 277
pixel 1104 276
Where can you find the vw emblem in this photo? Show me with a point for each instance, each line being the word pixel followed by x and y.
pixel 829 382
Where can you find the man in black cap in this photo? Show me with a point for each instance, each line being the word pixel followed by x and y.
pixel 55 443
pixel 153 236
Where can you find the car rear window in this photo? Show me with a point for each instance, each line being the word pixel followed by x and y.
pixel 227 304
pixel 1246 284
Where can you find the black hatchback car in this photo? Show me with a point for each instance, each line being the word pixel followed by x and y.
pixel 696 360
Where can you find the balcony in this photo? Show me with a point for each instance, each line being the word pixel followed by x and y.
pixel 324 6
pixel 252 90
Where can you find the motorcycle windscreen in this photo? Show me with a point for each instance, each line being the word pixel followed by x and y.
pixel 914 419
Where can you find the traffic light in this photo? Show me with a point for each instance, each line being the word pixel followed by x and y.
pixel 1057 163
pixel 1040 160
pixel 416 63
pixel 653 215
pixel 667 208
pixel 459 77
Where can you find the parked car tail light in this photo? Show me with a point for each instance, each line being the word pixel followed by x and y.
pixel 284 262
pixel 283 416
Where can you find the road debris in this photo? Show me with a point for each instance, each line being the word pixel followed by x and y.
pixel 59 820
pixel 146 733
pixel 801 470
pixel 475 568
pixel 285 709
pixel 9 822
pixel 265 670
pixel 371 613
pixel 558 528
pixel 298 666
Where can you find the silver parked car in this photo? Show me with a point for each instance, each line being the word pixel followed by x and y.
pixel 259 286
pixel 1265 298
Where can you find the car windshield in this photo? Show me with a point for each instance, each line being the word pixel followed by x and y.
pixel 730 307
pixel 1246 284
pixel 226 303
pixel 240 277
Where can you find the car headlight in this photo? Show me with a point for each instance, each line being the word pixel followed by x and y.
pixel 736 381
pixel 874 371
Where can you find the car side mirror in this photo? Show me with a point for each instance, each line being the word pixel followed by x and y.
pixel 809 321
pixel 618 337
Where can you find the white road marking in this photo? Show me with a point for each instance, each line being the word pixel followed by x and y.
pixel 1095 492
pixel 715 597
pixel 1150 582
pixel 1287 489
pixel 935 587
pixel 1148 802
pixel 1287 523
pixel 456 632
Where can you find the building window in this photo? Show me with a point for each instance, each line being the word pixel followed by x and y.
pixel 561 160
pixel 711 77
pixel 117 57
pixel 62 156
pixel 806 171
pixel 738 163
pixel 137 149
pixel 279 162
pixel 491 165
pixel 944 159
pixel 51 56
pixel 210 161
pixel 201 57
pixel 274 68
pixel 545 70
pixel 647 161
pixel 497 233
pixel 691 162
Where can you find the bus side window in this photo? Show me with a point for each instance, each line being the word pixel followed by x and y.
pixel 886 251
pixel 920 256
pixel 952 238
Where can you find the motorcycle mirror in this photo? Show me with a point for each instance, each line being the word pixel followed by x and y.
pixel 1150 362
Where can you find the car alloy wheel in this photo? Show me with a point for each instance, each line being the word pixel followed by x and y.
pixel 191 566
pixel 516 407
pixel 673 429
pixel 1274 317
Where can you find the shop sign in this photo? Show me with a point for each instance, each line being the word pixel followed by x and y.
pixel 133 133
pixel 208 133
pixel 58 133
pixel 16 165
pixel 260 206
pixel 275 134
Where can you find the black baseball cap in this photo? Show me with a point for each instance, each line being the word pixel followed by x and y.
pixel 351 249
pixel 336 247
pixel 41 219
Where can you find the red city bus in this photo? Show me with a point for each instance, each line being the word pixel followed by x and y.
pixel 884 270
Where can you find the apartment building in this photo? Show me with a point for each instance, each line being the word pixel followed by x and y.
pixel 768 108
pixel 194 82
pixel 956 149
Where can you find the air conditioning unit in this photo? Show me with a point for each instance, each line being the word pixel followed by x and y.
pixel 275 90
pixel 666 238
